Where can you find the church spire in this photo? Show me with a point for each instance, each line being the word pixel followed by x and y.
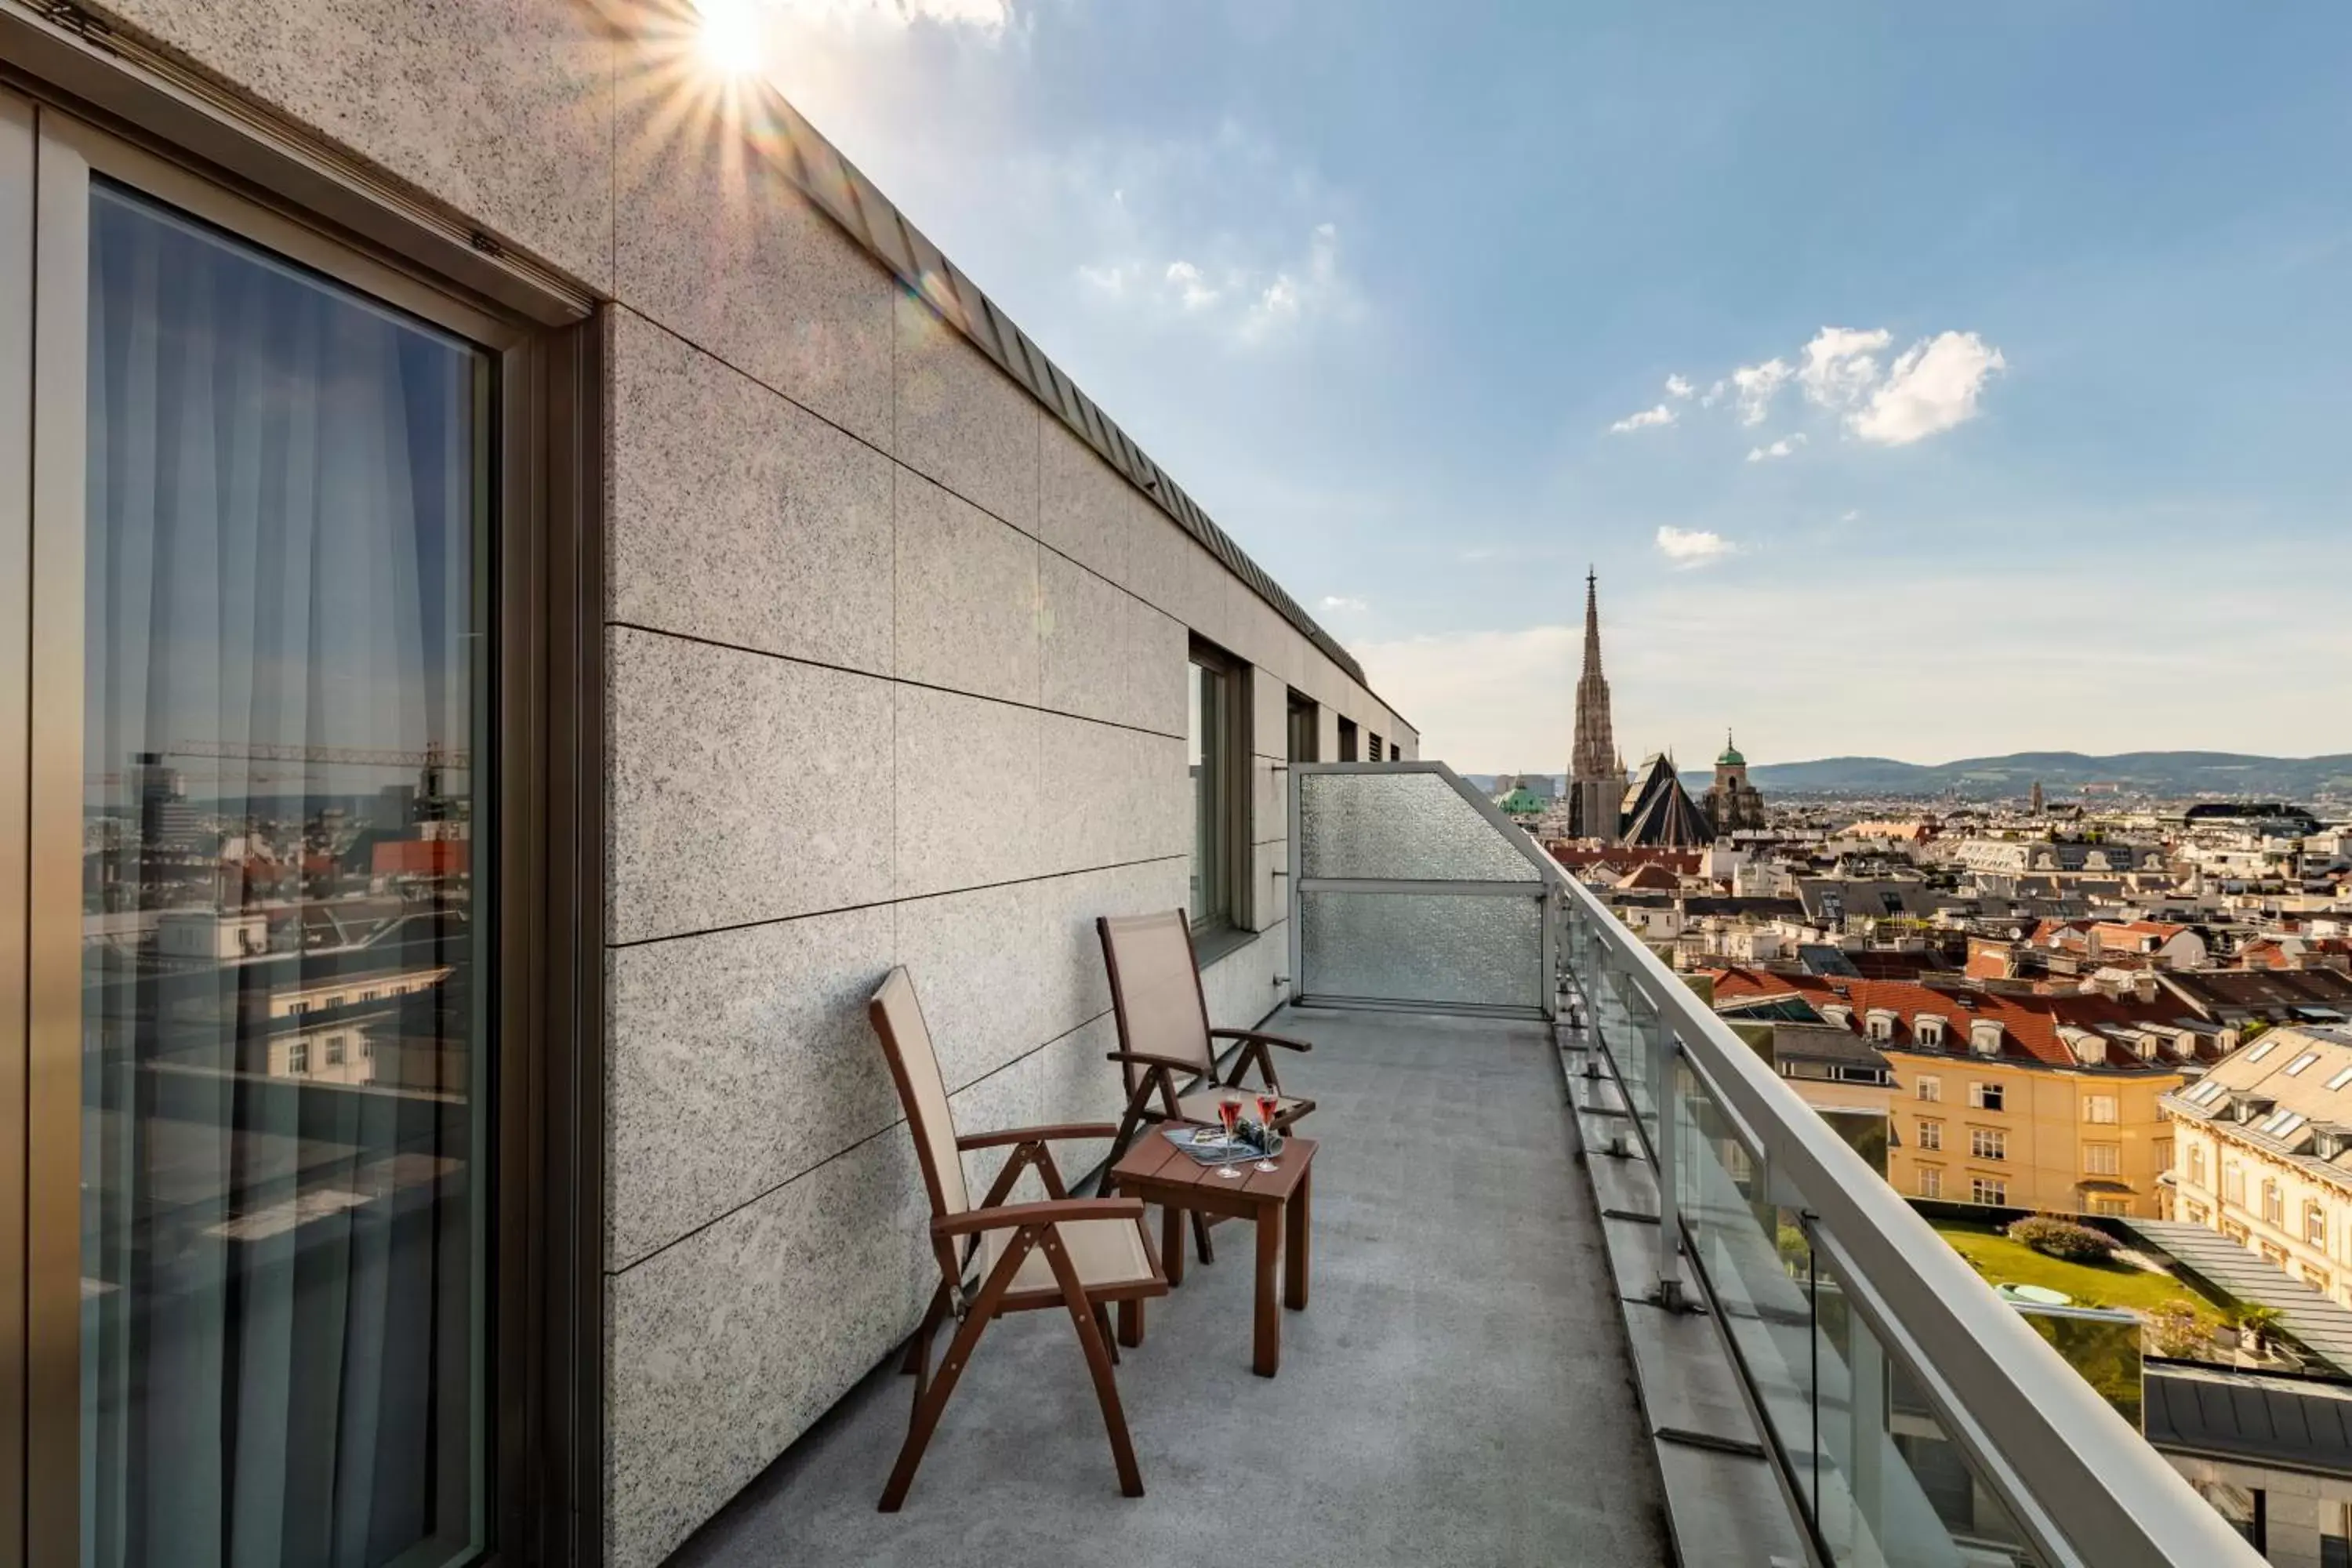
pixel 1594 764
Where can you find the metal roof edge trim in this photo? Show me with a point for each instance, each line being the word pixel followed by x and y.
pixel 818 169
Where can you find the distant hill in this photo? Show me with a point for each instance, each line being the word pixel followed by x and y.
pixel 2169 774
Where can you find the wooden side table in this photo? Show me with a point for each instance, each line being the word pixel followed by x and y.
pixel 1279 1202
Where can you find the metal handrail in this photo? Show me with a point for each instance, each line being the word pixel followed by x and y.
pixel 2097 1494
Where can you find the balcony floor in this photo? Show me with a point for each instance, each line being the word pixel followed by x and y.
pixel 1459 1391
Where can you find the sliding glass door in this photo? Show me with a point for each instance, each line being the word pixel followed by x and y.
pixel 258 1121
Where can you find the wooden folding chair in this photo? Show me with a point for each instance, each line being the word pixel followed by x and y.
pixel 1079 1254
pixel 1165 1039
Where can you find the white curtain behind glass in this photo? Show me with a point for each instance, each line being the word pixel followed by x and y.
pixel 279 1361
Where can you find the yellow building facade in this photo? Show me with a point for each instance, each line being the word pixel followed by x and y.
pixel 2006 1133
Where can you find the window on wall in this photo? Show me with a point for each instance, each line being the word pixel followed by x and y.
pixel 2197 1164
pixel 1929 1088
pixel 2273 1204
pixel 2099 1109
pixel 1931 1135
pixel 1348 741
pixel 1986 1096
pixel 2233 1184
pixel 1306 722
pixel 1986 1190
pixel 2315 1224
pixel 1372 748
pixel 2102 1159
pixel 1986 1143
pixel 1931 1182
pixel 1216 736
pixel 1396 753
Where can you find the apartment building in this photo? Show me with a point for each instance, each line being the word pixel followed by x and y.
pixel 2264 1151
pixel 720 601
pixel 2014 1102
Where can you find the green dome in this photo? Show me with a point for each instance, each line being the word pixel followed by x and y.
pixel 1731 757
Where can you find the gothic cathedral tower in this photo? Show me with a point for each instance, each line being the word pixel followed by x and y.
pixel 1596 780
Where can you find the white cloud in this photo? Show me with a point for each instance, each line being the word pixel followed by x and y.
pixel 1780 448
pixel 1646 419
pixel 1933 387
pixel 1850 517
pixel 1248 301
pixel 1677 388
pixel 1192 290
pixel 1841 364
pixel 1755 385
pixel 1693 547
pixel 1340 602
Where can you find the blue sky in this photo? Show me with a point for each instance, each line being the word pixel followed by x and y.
pixel 2045 316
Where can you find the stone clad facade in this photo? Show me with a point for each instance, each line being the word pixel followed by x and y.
pixel 895 661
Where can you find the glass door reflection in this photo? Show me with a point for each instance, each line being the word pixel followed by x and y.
pixel 284 1128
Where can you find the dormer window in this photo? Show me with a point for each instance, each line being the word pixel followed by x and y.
pixel 1879 1023
pixel 1838 1013
pixel 1984 1036
pixel 1930 1029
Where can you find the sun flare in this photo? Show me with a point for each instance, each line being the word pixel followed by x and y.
pixel 731 38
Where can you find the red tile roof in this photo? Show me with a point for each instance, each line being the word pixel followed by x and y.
pixel 2028 1024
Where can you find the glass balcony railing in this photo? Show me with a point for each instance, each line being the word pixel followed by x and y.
pixel 1916 1419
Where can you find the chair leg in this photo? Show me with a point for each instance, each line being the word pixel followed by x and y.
pixel 1102 1326
pixel 1082 1316
pixel 919 1349
pixel 943 1383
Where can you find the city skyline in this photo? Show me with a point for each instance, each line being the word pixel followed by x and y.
pixel 1806 334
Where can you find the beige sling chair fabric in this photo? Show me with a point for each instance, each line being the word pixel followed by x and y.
pixel 1078 1254
pixel 1167 1045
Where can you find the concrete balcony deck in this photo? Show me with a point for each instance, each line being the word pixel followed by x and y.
pixel 1459 1391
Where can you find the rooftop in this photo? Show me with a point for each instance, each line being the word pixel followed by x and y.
pixel 1457 1392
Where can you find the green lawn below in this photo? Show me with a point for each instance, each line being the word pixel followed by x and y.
pixel 2005 1262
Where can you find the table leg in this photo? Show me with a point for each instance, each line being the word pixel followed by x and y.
pixel 1130 1324
pixel 1296 1224
pixel 1171 1244
pixel 1268 1359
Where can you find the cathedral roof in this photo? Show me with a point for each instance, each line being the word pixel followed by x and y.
pixel 1657 811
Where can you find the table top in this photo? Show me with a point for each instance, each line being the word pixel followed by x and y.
pixel 1155 1162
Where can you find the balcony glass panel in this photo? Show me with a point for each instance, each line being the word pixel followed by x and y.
pixel 1485 951
pixel 1758 1262
pixel 1893 1487
pixel 1400 827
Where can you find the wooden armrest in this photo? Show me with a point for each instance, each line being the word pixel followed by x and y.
pixel 1066 1131
pixel 1284 1041
pixel 1055 1211
pixel 1142 1059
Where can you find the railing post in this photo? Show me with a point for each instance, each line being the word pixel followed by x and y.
pixel 1665 1053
